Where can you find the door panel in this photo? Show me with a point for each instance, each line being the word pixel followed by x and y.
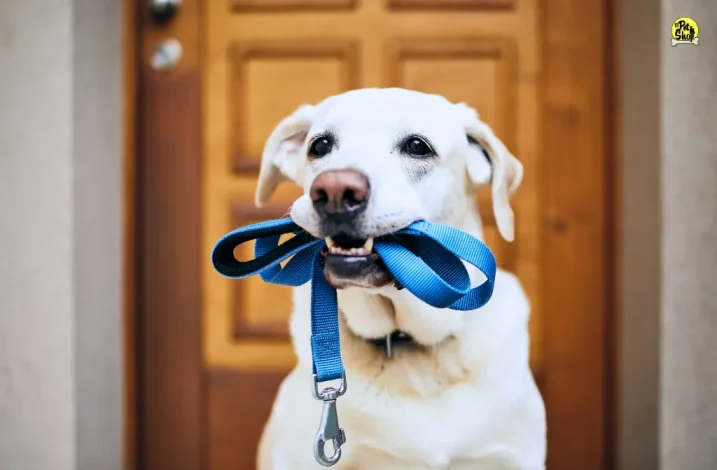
pixel 271 79
pixel 248 63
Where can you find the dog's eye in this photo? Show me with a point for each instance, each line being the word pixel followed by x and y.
pixel 417 147
pixel 320 147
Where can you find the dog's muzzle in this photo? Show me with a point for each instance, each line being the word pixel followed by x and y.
pixel 339 198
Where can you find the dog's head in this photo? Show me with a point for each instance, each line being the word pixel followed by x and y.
pixel 373 161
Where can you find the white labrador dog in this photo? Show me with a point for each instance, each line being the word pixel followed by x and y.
pixel 457 391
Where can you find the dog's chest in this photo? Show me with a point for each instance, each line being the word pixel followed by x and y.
pixel 430 432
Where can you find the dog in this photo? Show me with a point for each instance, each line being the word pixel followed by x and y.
pixel 456 391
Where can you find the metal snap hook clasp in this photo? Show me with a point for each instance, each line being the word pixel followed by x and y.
pixel 329 429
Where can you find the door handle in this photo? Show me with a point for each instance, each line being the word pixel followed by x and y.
pixel 164 10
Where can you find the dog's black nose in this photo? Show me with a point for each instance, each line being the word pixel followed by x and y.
pixel 340 193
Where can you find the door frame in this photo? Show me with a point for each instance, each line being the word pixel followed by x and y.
pixel 165 391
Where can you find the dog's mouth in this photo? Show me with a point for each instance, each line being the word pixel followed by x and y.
pixel 350 261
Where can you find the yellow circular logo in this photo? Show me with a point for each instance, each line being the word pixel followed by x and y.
pixel 685 30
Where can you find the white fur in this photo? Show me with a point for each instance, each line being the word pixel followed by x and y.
pixel 468 400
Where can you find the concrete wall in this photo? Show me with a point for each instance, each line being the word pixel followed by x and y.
pixel 60 369
pixel 641 34
pixel 97 198
pixel 668 347
pixel 37 387
pixel 688 366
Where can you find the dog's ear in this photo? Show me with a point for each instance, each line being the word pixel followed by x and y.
pixel 501 168
pixel 282 159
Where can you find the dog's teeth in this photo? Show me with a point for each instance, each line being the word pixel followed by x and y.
pixel 364 250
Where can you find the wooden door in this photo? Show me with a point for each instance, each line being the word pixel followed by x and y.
pixel 213 351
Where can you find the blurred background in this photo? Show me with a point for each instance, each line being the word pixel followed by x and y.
pixel 130 136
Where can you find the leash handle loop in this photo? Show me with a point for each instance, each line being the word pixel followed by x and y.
pixel 433 270
pixel 268 253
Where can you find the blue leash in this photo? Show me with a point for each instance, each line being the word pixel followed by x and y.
pixel 424 258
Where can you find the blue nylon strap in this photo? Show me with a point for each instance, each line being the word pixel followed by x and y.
pixel 424 257
pixel 325 342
